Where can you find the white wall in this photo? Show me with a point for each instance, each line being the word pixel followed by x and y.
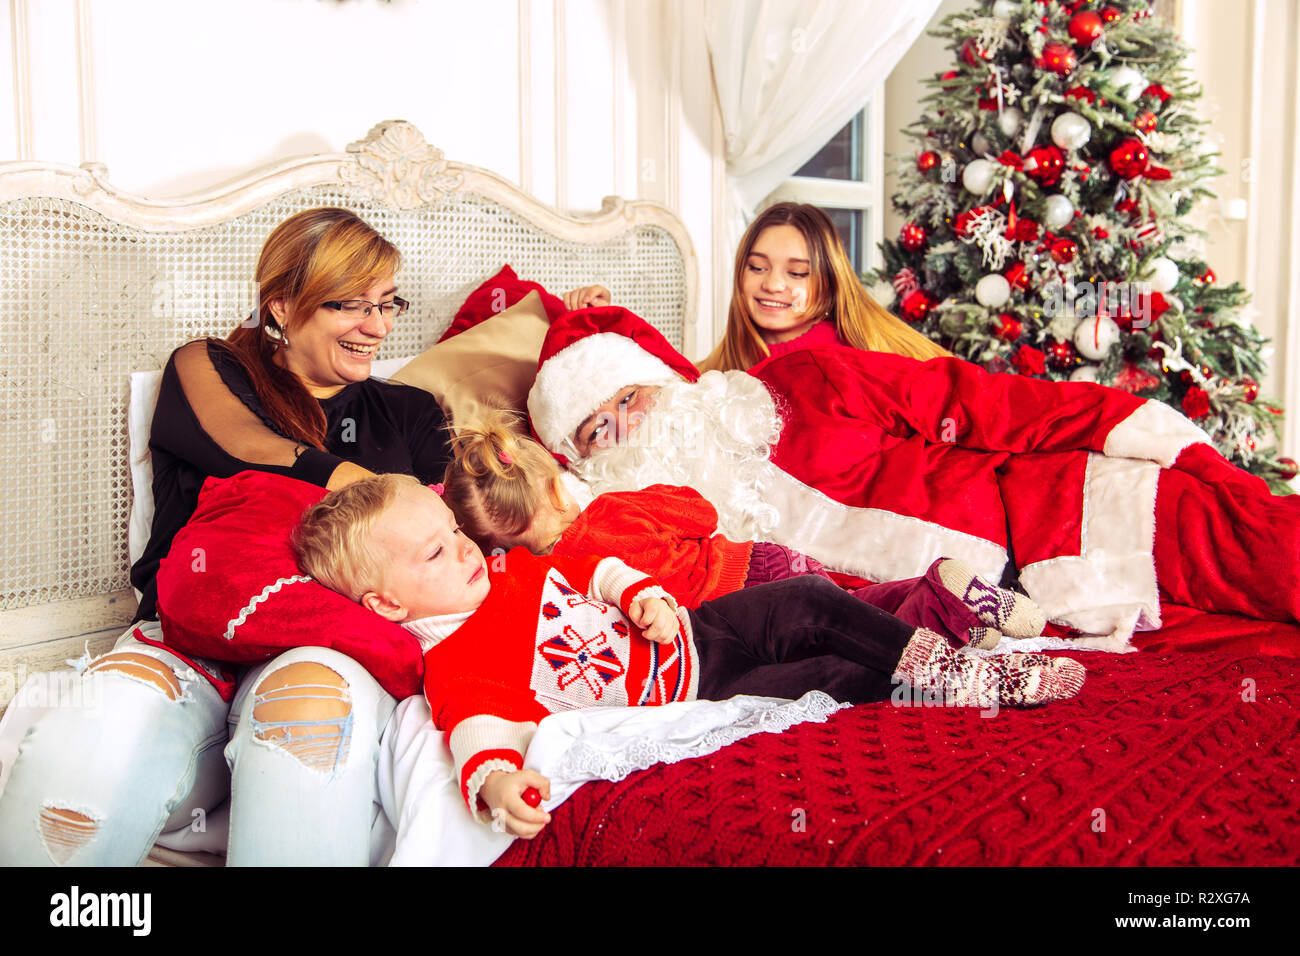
pixel 572 100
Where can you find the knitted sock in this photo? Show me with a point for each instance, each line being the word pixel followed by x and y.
pixel 984 638
pixel 1009 612
pixel 928 661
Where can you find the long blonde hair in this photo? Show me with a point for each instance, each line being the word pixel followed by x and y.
pixel 497 480
pixel 837 293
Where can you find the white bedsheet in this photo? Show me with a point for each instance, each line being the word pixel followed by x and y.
pixel 421 793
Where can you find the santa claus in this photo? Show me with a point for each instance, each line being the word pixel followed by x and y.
pixel 876 465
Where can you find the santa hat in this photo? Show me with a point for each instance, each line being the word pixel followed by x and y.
pixel 587 356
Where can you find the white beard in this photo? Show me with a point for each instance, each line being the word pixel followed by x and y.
pixel 714 436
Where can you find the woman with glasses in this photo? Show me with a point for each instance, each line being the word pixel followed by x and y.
pixel 288 391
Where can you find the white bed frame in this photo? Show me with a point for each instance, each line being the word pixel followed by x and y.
pixel 98 283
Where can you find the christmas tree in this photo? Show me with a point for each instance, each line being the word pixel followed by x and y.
pixel 1046 209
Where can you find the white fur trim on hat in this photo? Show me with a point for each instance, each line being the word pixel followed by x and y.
pixel 581 377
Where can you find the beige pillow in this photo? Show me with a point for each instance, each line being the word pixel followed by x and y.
pixel 491 365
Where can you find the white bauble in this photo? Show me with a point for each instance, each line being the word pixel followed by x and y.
pixel 1163 274
pixel 1057 211
pixel 979 144
pixel 1085 373
pixel 1129 82
pixel 1071 131
pixel 1006 9
pixel 1094 337
pixel 992 291
pixel 1010 121
pixel 977 177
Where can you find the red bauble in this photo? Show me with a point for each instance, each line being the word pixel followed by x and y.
pixel 1110 15
pixel 1081 93
pixel 1044 165
pixel 532 796
pixel 1196 404
pixel 915 306
pixel 1206 279
pixel 1060 355
pixel 1145 121
pixel 1058 58
pixel 1130 158
pixel 1009 327
pixel 905 282
pixel 1100 233
pixel 1250 390
pixel 1133 379
pixel 912 237
pixel 1159 92
pixel 1288 468
pixel 1085 27
pixel 1064 250
pixel 949 76
pixel 1016 277
pixel 927 161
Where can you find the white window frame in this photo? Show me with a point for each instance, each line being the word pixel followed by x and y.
pixel 867 196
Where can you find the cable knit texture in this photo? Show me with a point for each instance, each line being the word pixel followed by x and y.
pixel 1158 761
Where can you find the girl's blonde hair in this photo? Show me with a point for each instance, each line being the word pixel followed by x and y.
pixel 837 294
pixel 497 480
pixel 333 540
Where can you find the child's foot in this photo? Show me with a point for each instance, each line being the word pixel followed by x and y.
pixel 1011 613
pixel 928 660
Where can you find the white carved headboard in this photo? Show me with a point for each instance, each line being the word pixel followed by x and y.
pixel 97 284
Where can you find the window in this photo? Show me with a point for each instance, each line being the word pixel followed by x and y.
pixel 844 180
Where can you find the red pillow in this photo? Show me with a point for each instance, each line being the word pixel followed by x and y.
pixel 496 295
pixel 230 589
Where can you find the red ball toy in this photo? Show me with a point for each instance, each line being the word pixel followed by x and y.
pixel 1085 27
pixel 1058 58
pixel 1110 15
pixel 1060 355
pixel 1130 158
pixel 1145 121
pixel 1288 468
pixel 1064 250
pixel 532 796
pixel 927 161
pixel 1251 390
pixel 915 306
pixel 912 237
pixel 1009 327
pixel 1044 165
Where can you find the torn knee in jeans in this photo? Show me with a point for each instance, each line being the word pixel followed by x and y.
pixel 64 831
pixel 141 667
pixel 305 708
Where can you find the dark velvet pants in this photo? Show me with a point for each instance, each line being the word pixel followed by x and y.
pixel 788 637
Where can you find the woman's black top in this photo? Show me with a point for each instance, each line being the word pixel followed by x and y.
pixel 382 426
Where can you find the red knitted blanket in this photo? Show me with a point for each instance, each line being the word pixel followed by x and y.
pixel 1183 759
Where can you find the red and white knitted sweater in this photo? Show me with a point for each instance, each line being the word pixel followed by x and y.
pixel 552 635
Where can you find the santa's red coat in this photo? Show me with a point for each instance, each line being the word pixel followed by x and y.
pixel 886 463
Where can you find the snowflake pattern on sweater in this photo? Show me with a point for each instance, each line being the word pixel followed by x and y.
pixel 552 635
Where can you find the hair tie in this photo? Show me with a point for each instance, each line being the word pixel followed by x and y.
pixel 437 489
pixel 505 458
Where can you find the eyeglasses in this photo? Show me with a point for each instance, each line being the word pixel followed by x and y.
pixel 360 308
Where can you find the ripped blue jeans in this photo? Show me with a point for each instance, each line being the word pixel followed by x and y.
pixel 154 748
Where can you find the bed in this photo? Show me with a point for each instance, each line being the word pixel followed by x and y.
pixel 1182 753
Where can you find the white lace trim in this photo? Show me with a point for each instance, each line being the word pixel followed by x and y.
pixel 251 606
pixel 585 759
pixel 476 781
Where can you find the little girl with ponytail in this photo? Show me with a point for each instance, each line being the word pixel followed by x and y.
pixel 506 491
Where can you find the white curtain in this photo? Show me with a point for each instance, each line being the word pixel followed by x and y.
pixel 790 73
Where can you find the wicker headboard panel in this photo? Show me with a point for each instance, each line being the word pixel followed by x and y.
pixel 97 284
